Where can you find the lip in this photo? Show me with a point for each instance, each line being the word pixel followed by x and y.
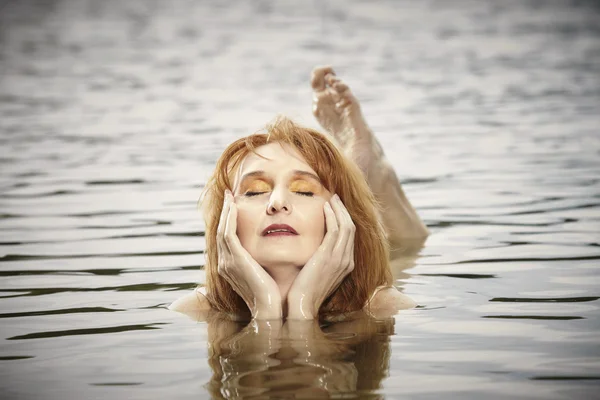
pixel 291 231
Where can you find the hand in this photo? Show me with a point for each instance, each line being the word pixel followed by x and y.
pixel 326 269
pixel 244 274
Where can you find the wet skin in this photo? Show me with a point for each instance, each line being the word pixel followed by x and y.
pixel 279 189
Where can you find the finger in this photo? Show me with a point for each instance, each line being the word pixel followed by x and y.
pixel 347 217
pixel 230 235
pixel 349 251
pixel 348 255
pixel 223 219
pixel 331 224
pixel 223 253
pixel 345 225
pixel 318 77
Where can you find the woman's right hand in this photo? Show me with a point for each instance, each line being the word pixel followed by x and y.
pixel 244 274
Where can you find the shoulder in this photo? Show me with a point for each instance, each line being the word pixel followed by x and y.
pixel 387 301
pixel 194 304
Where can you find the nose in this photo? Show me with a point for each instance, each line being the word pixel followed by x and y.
pixel 278 202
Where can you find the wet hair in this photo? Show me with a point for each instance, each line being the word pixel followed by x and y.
pixel 338 174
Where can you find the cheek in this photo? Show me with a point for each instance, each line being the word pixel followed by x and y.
pixel 246 221
pixel 313 217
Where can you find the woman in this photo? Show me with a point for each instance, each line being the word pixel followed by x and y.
pixel 292 224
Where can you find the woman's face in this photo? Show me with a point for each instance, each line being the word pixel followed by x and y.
pixel 280 203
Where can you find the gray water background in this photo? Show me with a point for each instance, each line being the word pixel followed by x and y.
pixel 112 114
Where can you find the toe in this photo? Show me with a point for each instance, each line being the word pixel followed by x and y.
pixel 318 77
pixel 340 87
pixel 331 79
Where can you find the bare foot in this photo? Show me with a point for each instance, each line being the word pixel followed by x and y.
pixel 338 112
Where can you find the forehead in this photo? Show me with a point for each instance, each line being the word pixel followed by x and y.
pixel 274 157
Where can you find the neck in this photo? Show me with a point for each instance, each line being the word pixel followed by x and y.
pixel 284 276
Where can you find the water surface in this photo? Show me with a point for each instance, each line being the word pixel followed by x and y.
pixel 113 113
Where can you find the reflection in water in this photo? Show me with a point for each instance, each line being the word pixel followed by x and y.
pixel 405 256
pixel 299 359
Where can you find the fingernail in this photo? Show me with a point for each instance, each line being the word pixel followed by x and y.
pixel 336 197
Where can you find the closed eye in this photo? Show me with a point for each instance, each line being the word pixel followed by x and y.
pixel 309 194
pixel 250 194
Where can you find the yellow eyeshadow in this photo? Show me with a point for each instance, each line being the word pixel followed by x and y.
pixel 303 186
pixel 257 186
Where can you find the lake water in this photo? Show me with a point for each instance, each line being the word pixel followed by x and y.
pixel 112 114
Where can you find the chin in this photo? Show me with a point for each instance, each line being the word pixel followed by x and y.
pixel 271 261
pixel 281 256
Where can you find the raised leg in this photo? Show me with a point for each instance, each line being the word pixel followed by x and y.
pixel 339 113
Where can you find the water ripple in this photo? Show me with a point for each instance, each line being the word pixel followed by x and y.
pixel 93 331
pixel 547 300
pixel 113 113
pixel 64 311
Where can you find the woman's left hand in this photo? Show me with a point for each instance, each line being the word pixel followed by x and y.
pixel 325 270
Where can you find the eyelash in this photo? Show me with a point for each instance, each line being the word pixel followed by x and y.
pixel 251 194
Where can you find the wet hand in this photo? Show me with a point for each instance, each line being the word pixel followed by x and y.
pixel 326 269
pixel 241 271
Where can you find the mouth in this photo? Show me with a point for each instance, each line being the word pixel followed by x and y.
pixel 279 230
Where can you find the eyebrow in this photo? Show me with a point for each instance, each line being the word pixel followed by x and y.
pixel 296 172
